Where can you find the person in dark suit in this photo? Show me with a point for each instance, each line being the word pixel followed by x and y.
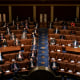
pixel 54 65
pixel 1 72
pixel 75 43
pixel 62 37
pixel 17 26
pixel 1 58
pixel 52 41
pixel 24 36
pixel 56 31
pixel 72 32
pixel 4 43
pixel 31 63
pixel 56 19
pixel 19 56
pixel 64 27
pixel 35 31
pixel 15 67
pixel 16 42
pixel 33 54
pixel 8 32
pixel 25 30
pixel 36 26
pixel 50 25
pixel 26 26
pixel 22 23
pixel 72 24
pixel 2 37
pixel 12 36
pixel 33 35
pixel 64 23
pixel 17 19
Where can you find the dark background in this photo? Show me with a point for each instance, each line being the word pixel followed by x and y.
pixel 62 12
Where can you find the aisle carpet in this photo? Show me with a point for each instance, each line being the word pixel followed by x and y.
pixel 43 55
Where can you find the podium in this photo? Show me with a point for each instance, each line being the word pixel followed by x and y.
pixel 42 73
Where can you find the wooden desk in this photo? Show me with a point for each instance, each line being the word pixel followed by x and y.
pixel 11 48
pixel 72 49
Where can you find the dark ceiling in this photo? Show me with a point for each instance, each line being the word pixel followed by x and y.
pixel 40 1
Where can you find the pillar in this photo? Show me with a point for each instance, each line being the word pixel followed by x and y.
pixel 52 13
pixel 77 12
pixel 34 13
pixel 10 13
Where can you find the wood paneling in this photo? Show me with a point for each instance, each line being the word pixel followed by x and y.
pixel 22 11
pixel 43 10
pixel 65 13
pixel 4 9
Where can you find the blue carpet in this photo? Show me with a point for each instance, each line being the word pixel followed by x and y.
pixel 43 52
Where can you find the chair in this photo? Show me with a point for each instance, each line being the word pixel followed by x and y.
pixel 73 58
pixel 52 48
pixel 73 37
pixel 27 48
pixel 66 57
pixel 58 49
pixel 10 42
pixel 70 68
pixel 77 71
pixel 6 68
pixel 62 68
pixel 60 57
pixel 68 37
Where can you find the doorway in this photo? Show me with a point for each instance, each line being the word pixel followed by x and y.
pixel 43 15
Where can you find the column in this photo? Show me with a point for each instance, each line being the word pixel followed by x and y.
pixel 34 13
pixel 4 17
pixel 77 12
pixel 52 13
pixel 10 13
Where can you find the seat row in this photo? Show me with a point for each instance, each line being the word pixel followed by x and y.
pixel 9 57
pixel 23 66
pixel 70 69
pixel 18 31
pixel 29 36
pixel 67 37
pixel 66 32
pixel 65 58
pixel 13 27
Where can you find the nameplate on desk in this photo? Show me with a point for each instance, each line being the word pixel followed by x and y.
pixel 75 47
pixel 53 58
pixel 59 59
pixel 62 69
pixel 52 51
pixel 78 73
pixel 22 45
pixel 7 71
pixel 58 50
pixel 78 62
pixel 69 70
pixel 72 61
pixel 69 44
pixel 63 45
pixel 23 68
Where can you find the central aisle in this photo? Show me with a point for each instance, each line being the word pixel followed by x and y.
pixel 43 52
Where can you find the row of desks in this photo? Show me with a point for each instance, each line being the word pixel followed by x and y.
pixel 16 48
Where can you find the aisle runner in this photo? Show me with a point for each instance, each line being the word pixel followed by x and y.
pixel 43 55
